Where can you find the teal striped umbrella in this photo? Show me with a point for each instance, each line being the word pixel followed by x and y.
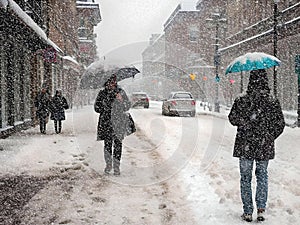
pixel 252 61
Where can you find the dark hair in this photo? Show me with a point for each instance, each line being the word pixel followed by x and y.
pixel 58 92
pixel 258 82
pixel 112 78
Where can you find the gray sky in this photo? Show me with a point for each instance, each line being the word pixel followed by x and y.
pixel 128 25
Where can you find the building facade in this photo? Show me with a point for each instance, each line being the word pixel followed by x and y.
pixel 186 44
pixel 205 41
pixel 89 16
pixel 258 35
pixel 39 47
pixel 153 59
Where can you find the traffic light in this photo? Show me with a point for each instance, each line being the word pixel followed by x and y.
pixel 192 76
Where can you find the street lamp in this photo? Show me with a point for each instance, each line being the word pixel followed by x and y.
pixel 275 36
pixel 216 19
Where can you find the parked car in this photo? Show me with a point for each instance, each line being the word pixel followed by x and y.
pixel 153 97
pixel 139 99
pixel 179 103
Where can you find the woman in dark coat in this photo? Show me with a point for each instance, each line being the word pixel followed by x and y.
pixel 42 104
pixel 58 106
pixel 259 120
pixel 112 103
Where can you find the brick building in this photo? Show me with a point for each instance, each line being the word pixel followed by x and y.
pixel 89 16
pixel 186 44
pixel 154 64
pixel 193 37
pixel 253 30
pixel 39 47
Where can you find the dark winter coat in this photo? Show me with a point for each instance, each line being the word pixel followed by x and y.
pixel 259 120
pixel 42 104
pixel 58 106
pixel 112 116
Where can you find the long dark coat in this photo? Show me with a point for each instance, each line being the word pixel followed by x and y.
pixel 259 120
pixel 112 116
pixel 42 104
pixel 58 106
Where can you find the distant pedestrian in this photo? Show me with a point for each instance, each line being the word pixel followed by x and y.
pixel 42 104
pixel 58 106
pixel 259 120
pixel 112 103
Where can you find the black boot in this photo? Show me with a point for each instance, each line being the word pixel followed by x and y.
pixel 59 126
pixel 116 167
pixel 55 126
pixel 43 127
pixel 108 168
pixel 108 161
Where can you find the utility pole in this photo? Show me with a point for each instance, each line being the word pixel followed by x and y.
pixel 297 70
pixel 275 38
pixel 217 20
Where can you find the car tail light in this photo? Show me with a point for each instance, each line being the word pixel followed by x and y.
pixel 193 102
pixel 147 99
pixel 174 102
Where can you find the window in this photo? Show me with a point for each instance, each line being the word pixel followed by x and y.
pixel 182 95
pixel 82 32
pixel 193 33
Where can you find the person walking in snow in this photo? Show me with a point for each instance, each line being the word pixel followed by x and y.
pixel 259 120
pixel 58 106
pixel 112 103
pixel 42 104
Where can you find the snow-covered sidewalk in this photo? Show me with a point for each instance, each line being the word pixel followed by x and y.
pixel 174 171
pixel 63 179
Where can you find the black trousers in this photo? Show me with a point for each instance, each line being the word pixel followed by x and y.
pixel 112 151
pixel 59 126
pixel 42 124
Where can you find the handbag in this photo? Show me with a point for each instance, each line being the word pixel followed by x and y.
pixel 129 124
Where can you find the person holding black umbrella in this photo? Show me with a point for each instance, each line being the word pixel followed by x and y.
pixel 112 103
pixel 259 120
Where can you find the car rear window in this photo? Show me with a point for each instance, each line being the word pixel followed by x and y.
pixel 139 95
pixel 183 95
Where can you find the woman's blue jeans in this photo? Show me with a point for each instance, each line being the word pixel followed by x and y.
pixel 261 173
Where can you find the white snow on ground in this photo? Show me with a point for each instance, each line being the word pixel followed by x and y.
pixel 174 170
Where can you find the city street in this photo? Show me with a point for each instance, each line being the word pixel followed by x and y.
pixel 70 71
pixel 174 170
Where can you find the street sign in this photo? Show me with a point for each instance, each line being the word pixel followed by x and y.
pixel 50 55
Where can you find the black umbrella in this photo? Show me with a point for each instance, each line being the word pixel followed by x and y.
pixel 96 78
pixel 126 72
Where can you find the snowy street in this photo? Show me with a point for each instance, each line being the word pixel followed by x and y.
pixel 174 170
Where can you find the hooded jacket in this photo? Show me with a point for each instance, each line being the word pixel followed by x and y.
pixel 259 120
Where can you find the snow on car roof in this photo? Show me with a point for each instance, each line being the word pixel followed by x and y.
pixel 139 92
pixel 183 92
